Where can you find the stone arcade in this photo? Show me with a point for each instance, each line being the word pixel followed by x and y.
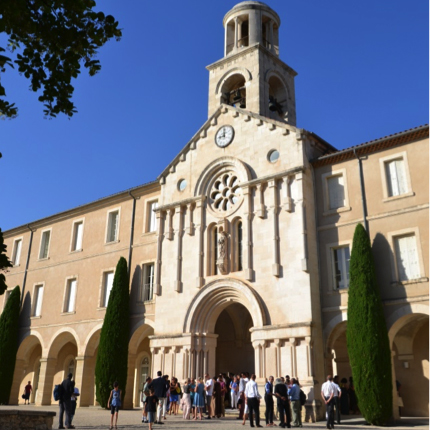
pixel 240 248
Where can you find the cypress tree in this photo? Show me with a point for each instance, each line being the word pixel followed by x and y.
pixel 4 264
pixel 112 356
pixel 9 325
pixel 367 335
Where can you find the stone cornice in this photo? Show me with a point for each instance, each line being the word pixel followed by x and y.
pixel 278 175
pixel 184 202
pixel 247 51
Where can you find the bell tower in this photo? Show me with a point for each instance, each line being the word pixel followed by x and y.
pixel 251 76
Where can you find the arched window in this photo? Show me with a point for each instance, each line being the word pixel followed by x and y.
pixel 71 368
pixel 214 250
pixel 145 370
pixel 239 247
pixel 234 91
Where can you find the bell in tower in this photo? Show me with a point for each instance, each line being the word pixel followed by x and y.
pixel 251 76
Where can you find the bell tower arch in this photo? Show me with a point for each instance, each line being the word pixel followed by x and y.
pixel 251 49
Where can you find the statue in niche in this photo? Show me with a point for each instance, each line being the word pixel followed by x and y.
pixel 222 257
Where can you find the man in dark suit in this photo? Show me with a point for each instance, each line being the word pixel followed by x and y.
pixel 160 387
pixel 67 390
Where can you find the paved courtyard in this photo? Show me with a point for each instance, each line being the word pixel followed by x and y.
pixel 98 419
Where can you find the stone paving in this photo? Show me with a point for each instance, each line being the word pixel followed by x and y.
pixel 94 418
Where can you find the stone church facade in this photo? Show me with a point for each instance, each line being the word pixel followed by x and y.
pixel 239 251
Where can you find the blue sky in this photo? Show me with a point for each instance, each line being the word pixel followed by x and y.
pixel 362 74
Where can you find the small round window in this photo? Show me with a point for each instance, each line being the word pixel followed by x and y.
pixel 182 184
pixel 273 156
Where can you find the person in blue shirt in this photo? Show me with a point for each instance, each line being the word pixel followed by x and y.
pixel 268 398
pixel 294 393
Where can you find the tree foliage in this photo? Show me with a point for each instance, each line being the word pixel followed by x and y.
pixel 51 40
pixel 112 356
pixel 5 263
pixel 9 325
pixel 367 336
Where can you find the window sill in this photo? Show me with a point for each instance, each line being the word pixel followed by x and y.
pixel 101 308
pixel 43 259
pixel 75 251
pixel 112 243
pixel 149 233
pixel 409 282
pixel 336 211
pixel 16 265
pixel 342 291
pixel 35 317
pixel 68 313
pixel 401 196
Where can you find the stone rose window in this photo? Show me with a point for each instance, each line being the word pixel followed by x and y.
pixel 225 193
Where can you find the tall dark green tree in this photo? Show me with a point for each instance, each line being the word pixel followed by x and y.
pixel 9 325
pixel 367 335
pixel 112 356
pixel 5 263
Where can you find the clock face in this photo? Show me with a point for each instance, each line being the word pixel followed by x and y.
pixel 224 136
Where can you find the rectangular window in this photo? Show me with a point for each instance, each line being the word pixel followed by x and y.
pixel 148 283
pixel 112 233
pixel 336 192
pixel 107 287
pixel 152 224
pixel 38 298
pixel 44 245
pixel 70 299
pixel 78 231
pixel 16 255
pixel 396 177
pixel 407 257
pixel 341 258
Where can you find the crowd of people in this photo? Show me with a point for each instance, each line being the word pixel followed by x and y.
pixel 209 397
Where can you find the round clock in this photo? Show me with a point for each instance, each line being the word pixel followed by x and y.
pixel 224 136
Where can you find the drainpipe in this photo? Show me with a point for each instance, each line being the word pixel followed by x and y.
pixel 130 249
pixel 27 263
pixel 363 193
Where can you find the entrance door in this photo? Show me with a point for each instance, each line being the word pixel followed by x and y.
pixel 234 351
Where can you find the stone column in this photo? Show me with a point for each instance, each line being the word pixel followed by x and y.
pixel 189 228
pixel 287 201
pixel 396 414
pixel 18 375
pixel 178 234
pixel 261 208
pixel 276 267
pixel 129 398
pixel 247 234
pixel 160 235
pixel 200 231
pixel 258 359
pixel 272 48
pixel 46 380
pixel 292 344
pixel 309 371
pixel 236 33
pixel 278 344
pixel 81 382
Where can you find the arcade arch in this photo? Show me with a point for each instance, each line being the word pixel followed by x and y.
pixel 27 368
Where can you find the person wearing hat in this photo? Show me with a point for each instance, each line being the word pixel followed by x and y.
pixel 67 390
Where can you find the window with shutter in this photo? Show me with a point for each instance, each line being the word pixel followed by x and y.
pixel 70 296
pixel 152 225
pixel 44 246
pixel 112 235
pixel 336 192
pixel 396 177
pixel 148 283
pixel 38 298
pixel 16 256
pixel 77 236
pixel 107 287
pixel 407 257
pixel 341 257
